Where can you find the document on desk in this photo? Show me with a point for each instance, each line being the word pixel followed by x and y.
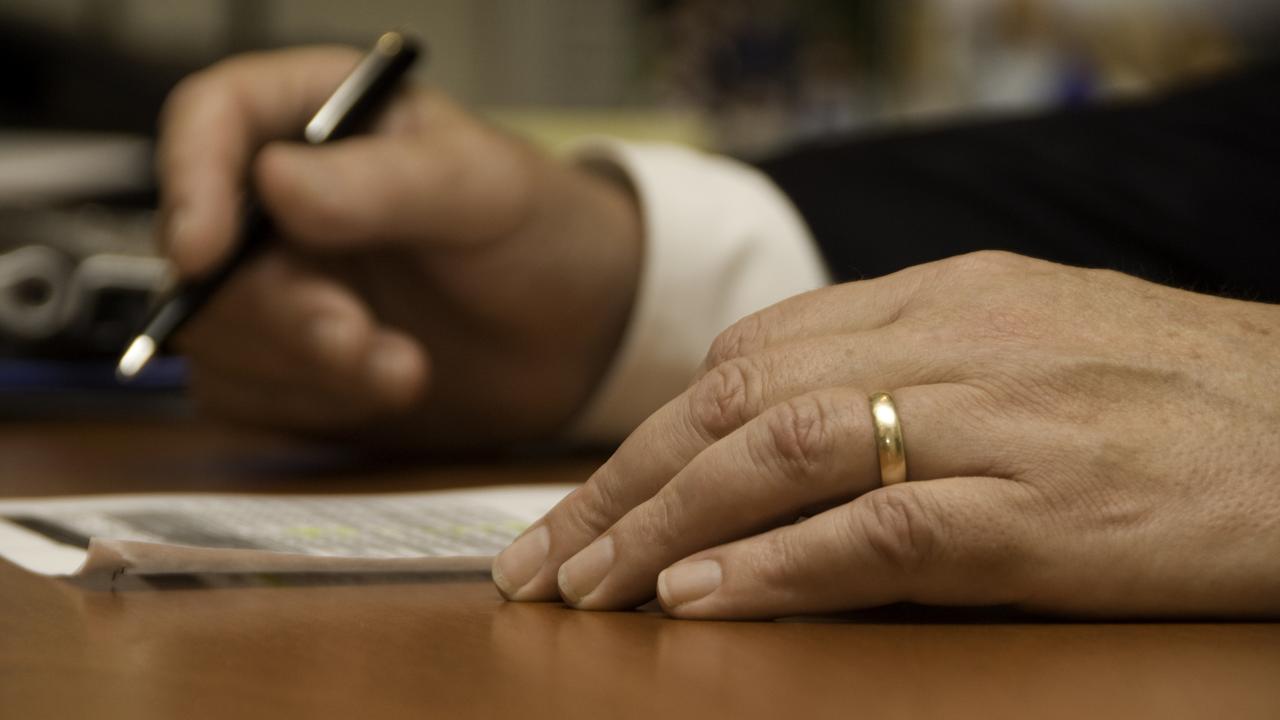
pixel 175 534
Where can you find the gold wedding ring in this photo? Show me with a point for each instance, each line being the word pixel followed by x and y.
pixel 893 455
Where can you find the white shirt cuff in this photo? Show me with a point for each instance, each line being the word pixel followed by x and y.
pixel 721 241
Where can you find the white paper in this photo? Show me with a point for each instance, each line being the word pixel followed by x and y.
pixel 266 532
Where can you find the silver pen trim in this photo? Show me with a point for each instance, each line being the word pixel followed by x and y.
pixel 135 358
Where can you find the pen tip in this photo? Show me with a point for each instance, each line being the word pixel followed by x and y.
pixel 135 358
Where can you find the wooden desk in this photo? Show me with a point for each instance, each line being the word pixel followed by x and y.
pixel 456 650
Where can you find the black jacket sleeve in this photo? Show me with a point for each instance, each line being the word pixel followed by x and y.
pixel 1183 189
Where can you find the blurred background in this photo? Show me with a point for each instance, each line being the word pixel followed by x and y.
pixel 84 79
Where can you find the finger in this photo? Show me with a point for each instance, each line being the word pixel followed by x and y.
pixel 396 370
pixel 816 449
pixel 391 381
pixel 280 322
pixel 453 182
pixel 393 376
pixel 957 541
pixel 731 395
pixel 212 125
pixel 279 319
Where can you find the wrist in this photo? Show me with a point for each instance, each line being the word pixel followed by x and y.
pixel 620 240
pixel 597 229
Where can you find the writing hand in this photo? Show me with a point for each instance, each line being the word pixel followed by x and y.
pixel 436 281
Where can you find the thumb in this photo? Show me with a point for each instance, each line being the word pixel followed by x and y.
pixel 393 189
pixel 349 194
pixel 959 541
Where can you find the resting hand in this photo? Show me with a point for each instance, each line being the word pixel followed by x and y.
pixel 435 279
pixel 1077 441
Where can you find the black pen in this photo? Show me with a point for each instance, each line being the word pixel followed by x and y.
pixel 351 104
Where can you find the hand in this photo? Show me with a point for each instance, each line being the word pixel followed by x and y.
pixel 436 279
pixel 1078 441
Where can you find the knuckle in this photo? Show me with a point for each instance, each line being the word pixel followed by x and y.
pixel 897 529
pixel 987 259
pixel 188 89
pixel 739 339
pixel 589 510
pixel 212 89
pixel 1098 277
pixel 798 433
pixel 984 263
pixel 727 397
pixel 777 562
pixel 656 524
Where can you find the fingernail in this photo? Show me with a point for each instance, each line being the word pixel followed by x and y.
pixel 392 368
pixel 584 571
pixel 686 582
pixel 333 337
pixel 521 561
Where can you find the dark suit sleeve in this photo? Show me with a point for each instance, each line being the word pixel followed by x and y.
pixel 1183 190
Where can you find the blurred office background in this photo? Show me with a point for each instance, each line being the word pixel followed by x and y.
pixel 753 72
pixel 83 80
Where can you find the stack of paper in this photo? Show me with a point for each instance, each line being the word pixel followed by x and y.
pixel 120 535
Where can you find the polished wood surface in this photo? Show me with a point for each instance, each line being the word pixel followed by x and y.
pixel 454 649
